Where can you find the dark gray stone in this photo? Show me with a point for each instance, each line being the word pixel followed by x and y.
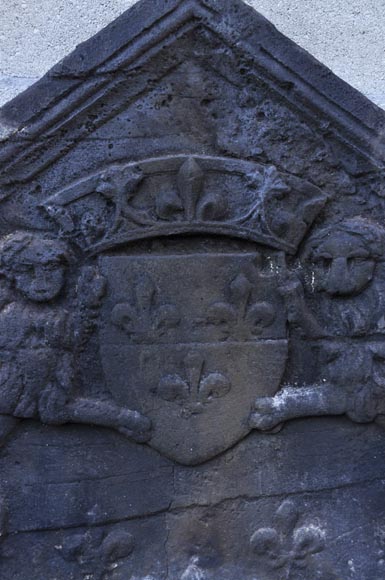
pixel 192 309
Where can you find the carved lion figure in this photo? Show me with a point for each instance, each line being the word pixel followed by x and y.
pixel 342 287
pixel 39 338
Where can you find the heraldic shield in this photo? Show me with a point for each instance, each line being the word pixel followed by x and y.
pixel 190 341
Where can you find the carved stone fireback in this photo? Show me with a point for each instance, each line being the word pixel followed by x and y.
pixel 192 309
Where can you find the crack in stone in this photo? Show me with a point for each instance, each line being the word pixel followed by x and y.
pixel 174 509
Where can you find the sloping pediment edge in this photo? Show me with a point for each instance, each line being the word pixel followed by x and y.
pixel 73 84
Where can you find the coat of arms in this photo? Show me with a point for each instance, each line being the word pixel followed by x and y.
pixel 190 337
pixel 191 340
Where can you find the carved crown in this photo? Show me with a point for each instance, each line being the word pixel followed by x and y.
pixel 186 194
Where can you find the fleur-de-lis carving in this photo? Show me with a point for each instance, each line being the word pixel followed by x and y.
pixel 195 389
pixel 190 185
pixel 143 315
pixel 288 547
pixel 97 553
pixel 241 316
pixel 190 203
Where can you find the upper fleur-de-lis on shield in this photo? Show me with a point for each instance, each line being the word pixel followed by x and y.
pixel 196 388
pixel 144 316
pixel 241 316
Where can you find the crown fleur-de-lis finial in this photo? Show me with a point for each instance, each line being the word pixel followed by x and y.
pixel 190 186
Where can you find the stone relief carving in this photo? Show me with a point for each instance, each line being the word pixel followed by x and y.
pixel 337 297
pixel 191 256
pixel 342 261
pixel 185 358
pixel 195 391
pixel 181 195
pixel 40 340
pixel 177 194
pixel 240 316
pixel 145 316
pixel 343 271
pixel 288 548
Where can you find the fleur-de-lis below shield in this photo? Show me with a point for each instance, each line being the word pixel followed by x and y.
pixel 287 547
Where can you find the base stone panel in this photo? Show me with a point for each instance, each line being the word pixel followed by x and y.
pixel 97 511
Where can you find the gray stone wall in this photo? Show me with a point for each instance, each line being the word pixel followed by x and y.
pixel 346 35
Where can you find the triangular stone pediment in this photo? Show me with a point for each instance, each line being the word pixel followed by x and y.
pixel 250 93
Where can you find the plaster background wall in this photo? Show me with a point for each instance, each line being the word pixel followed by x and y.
pixel 346 35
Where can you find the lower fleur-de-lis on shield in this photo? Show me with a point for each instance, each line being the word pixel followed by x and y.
pixel 287 547
pixel 196 389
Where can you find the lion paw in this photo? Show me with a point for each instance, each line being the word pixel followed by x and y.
pixel 266 415
pixel 134 426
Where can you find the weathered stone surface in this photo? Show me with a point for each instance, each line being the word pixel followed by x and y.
pixel 192 309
